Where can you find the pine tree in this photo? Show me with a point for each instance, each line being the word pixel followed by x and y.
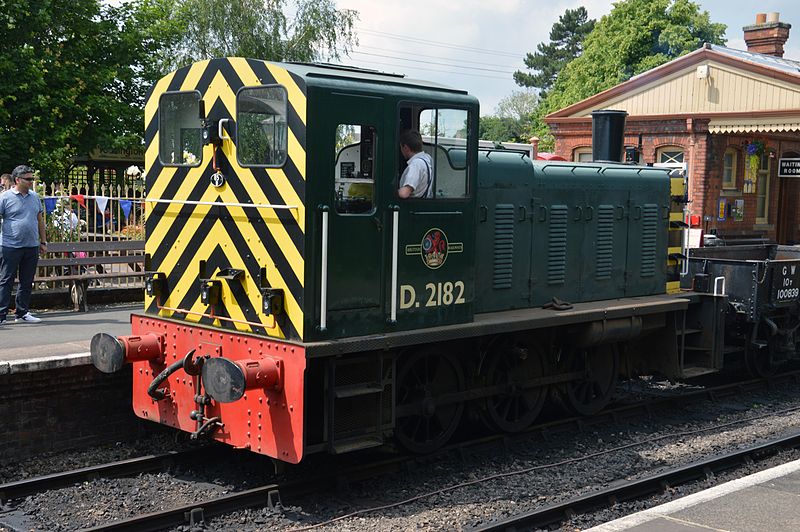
pixel 566 43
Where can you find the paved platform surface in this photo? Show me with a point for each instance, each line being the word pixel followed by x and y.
pixel 61 339
pixel 766 501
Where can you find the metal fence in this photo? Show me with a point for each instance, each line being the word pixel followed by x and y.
pixel 82 210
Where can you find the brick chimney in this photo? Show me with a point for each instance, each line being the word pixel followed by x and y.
pixel 767 35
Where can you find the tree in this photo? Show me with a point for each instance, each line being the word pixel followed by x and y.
pixel 512 120
pixel 56 73
pixel 636 36
pixel 566 43
pixel 261 29
pixel 74 73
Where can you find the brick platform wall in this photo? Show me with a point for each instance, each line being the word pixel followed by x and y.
pixel 59 409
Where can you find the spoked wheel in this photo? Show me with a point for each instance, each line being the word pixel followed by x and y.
pixel 424 422
pixel 519 404
pixel 590 394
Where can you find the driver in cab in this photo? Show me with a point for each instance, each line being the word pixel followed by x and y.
pixel 416 181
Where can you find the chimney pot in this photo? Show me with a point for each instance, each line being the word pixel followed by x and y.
pixel 768 35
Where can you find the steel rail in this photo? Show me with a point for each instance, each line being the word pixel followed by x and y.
pixel 555 514
pixel 131 466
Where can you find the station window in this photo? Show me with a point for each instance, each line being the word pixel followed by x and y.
pixel 670 155
pixel 762 190
pixel 261 127
pixel 582 155
pixel 355 168
pixel 444 138
pixel 729 169
pixel 180 129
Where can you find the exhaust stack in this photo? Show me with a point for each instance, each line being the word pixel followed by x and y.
pixel 608 136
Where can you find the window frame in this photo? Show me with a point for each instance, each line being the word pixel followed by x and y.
pixel 582 150
pixel 286 101
pixel 671 147
pixel 160 122
pixel 763 173
pixel 419 107
pixel 375 166
pixel 732 183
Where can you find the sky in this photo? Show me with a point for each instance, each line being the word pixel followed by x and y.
pixel 435 39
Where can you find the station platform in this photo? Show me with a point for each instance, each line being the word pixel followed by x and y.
pixel 765 501
pixel 60 340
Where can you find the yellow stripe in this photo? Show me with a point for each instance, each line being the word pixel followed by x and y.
pixel 676 186
pixel 217 236
pixel 196 71
pixel 259 251
pixel 183 193
pixel 673 287
pixel 297 153
pixel 151 106
pixel 676 217
pixel 244 71
pixel 296 96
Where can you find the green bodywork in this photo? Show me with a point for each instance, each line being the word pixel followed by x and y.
pixel 525 233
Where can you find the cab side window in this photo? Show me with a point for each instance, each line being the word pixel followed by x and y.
pixel 355 168
pixel 180 130
pixel 444 137
pixel 261 127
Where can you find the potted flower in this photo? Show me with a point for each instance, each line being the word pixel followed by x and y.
pixel 755 149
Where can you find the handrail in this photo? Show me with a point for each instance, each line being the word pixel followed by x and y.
pixel 222 204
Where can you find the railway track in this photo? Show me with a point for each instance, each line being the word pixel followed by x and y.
pixel 269 495
pixel 555 514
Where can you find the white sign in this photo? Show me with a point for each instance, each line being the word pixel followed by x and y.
pixel 788 167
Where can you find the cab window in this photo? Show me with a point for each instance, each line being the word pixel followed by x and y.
pixel 180 129
pixel 261 127
pixel 444 138
pixel 354 168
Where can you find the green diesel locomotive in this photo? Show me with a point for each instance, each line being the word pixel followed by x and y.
pixel 295 303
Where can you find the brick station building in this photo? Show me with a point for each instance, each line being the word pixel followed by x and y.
pixel 728 115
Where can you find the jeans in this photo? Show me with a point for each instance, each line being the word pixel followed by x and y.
pixel 23 260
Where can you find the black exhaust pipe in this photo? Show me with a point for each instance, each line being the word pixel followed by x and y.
pixel 608 136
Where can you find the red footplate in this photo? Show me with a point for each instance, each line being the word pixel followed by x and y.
pixel 265 420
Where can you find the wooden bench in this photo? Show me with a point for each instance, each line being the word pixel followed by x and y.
pixel 79 263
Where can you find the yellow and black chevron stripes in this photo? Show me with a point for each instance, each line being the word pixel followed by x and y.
pixel 180 236
pixel 675 234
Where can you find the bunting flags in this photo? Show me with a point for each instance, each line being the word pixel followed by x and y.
pixel 125 205
pixel 80 199
pixel 102 202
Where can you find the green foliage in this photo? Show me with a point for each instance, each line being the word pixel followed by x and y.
pixel 636 36
pixel 262 29
pixel 512 121
pixel 56 74
pixel 74 74
pixel 566 43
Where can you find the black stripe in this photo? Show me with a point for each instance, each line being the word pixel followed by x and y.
pixel 178 79
pixel 262 72
pixel 218 260
pixel 151 129
pixel 284 215
pixel 273 250
pixel 159 209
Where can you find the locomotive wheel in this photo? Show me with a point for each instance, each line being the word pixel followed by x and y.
pixel 587 396
pixel 517 407
pixel 425 378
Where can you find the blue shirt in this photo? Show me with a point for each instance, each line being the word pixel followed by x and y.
pixel 20 216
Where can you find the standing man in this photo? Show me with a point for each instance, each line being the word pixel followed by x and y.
pixel 417 179
pixel 23 238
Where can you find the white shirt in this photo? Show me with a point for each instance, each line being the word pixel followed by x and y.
pixel 419 176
